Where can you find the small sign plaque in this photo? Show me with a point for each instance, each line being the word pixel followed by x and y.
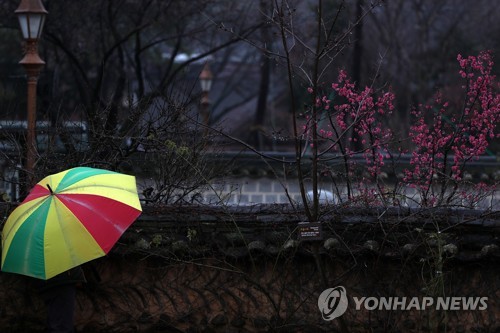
pixel 310 231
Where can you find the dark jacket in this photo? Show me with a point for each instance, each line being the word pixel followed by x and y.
pixel 74 276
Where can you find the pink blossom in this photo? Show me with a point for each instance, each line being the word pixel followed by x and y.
pixel 464 140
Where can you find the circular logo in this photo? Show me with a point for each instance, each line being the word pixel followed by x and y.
pixel 332 302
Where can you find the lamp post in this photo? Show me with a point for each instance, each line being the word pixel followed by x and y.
pixel 206 84
pixel 31 15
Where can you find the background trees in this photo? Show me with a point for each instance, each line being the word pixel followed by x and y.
pixel 111 63
pixel 128 70
pixel 100 54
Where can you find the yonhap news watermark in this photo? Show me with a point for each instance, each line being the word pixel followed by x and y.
pixel 333 303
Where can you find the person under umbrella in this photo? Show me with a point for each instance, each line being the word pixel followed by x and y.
pixel 66 220
pixel 59 296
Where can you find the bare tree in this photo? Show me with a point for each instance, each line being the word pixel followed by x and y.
pixel 109 64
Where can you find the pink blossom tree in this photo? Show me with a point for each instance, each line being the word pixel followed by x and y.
pixel 352 122
pixel 446 140
pixel 354 127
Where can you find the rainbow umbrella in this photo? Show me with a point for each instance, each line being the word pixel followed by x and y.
pixel 67 219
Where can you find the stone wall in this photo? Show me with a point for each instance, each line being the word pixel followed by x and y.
pixel 194 269
pixel 135 294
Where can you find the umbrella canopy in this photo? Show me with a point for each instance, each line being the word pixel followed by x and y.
pixel 67 219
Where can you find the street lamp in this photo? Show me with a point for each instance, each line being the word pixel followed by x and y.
pixel 31 15
pixel 206 84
